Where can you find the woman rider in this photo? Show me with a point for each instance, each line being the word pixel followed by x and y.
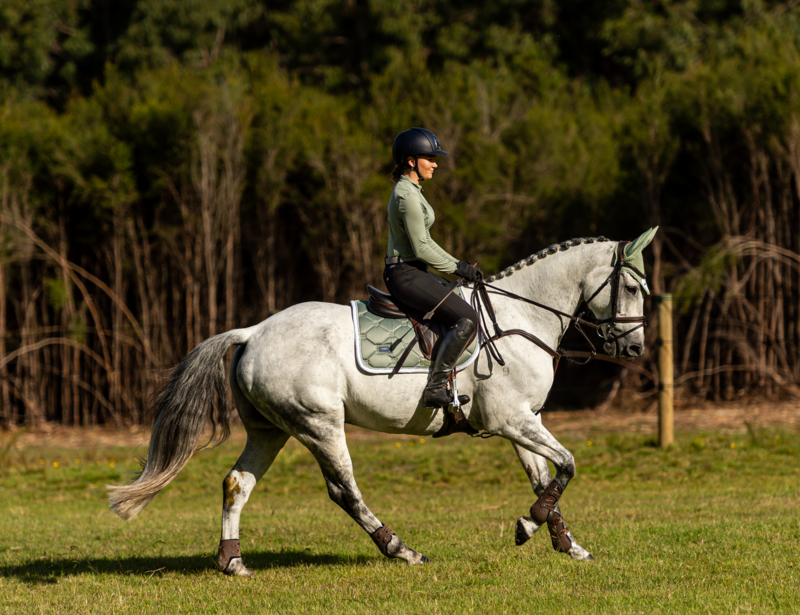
pixel 412 250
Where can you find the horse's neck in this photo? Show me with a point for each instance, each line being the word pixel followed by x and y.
pixel 554 281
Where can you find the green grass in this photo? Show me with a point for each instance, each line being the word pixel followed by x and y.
pixel 708 525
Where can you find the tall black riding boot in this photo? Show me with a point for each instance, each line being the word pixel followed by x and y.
pixel 451 347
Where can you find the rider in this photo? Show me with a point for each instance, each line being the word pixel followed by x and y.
pixel 411 250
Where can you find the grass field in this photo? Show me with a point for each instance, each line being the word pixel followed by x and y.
pixel 709 525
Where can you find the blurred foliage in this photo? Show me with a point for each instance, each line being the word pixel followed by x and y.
pixel 129 129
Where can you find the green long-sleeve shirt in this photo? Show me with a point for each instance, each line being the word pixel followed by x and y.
pixel 410 220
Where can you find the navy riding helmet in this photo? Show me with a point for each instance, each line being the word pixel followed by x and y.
pixel 413 143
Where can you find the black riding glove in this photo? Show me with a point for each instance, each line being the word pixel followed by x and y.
pixel 468 272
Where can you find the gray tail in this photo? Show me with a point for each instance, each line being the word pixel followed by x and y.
pixel 195 394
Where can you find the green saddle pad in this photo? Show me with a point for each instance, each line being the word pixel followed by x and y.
pixel 380 342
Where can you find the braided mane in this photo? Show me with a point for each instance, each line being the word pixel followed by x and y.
pixel 556 247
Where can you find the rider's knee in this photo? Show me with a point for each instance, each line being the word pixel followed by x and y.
pixel 467 325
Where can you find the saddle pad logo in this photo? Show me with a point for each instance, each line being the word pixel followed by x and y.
pixel 384 349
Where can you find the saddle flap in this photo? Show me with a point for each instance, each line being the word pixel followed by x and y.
pixel 429 332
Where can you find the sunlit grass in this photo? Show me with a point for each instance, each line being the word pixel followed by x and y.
pixel 707 525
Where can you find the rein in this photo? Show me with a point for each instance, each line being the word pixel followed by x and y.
pixel 482 305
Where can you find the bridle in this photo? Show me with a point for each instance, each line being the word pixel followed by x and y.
pixel 614 280
pixel 482 305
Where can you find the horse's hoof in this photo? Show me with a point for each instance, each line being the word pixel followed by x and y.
pixel 580 554
pixel 236 568
pixel 524 530
pixel 419 561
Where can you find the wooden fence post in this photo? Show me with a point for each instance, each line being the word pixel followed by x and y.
pixel 666 424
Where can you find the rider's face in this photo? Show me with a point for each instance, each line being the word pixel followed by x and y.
pixel 427 164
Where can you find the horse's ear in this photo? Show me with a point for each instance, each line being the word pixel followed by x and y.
pixel 640 243
pixel 633 255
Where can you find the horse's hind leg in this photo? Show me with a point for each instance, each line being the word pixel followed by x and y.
pixel 263 445
pixel 330 450
pixel 264 442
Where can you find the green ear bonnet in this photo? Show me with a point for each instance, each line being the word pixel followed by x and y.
pixel 633 255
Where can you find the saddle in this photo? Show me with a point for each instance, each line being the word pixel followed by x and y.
pixel 427 332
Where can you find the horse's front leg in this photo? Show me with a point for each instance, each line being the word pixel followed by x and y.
pixel 525 430
pixel 538 473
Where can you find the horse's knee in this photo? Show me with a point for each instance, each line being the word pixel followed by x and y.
pixel 566 469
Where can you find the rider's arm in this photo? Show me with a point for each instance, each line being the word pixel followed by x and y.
pixel 425 248
pixel 440 251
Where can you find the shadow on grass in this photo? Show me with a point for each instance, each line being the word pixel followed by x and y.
pixel 50 570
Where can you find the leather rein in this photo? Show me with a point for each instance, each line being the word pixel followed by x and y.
pixel 482 305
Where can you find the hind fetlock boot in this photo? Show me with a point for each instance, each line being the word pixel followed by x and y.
pixel 450 349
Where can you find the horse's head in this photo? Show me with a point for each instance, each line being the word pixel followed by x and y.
pixel 615 294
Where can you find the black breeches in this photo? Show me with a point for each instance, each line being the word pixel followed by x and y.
pixel 413 286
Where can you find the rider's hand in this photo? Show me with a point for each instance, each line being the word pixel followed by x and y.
pixel 468 272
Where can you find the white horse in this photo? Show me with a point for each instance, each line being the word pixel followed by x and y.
pixel 295 374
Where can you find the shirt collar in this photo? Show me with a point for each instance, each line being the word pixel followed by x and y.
pixel 417 186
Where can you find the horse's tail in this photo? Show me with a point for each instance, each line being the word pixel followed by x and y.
pixel 195 394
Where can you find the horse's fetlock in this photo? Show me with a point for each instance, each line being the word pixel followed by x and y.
pixel 396 547
pixel 236 568
pixel 228 551
pixel 526 527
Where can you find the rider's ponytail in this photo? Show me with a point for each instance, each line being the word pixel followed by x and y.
pixel 397 173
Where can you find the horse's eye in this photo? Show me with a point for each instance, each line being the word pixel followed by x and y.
pixel 631 290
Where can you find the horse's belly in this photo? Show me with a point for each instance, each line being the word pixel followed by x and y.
pixel 391 406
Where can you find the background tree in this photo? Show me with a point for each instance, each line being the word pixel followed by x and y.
pixel 172 169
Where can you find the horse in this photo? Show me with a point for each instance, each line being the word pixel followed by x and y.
pixel 294 374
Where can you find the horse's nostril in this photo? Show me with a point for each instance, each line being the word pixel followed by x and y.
pixel 635 349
